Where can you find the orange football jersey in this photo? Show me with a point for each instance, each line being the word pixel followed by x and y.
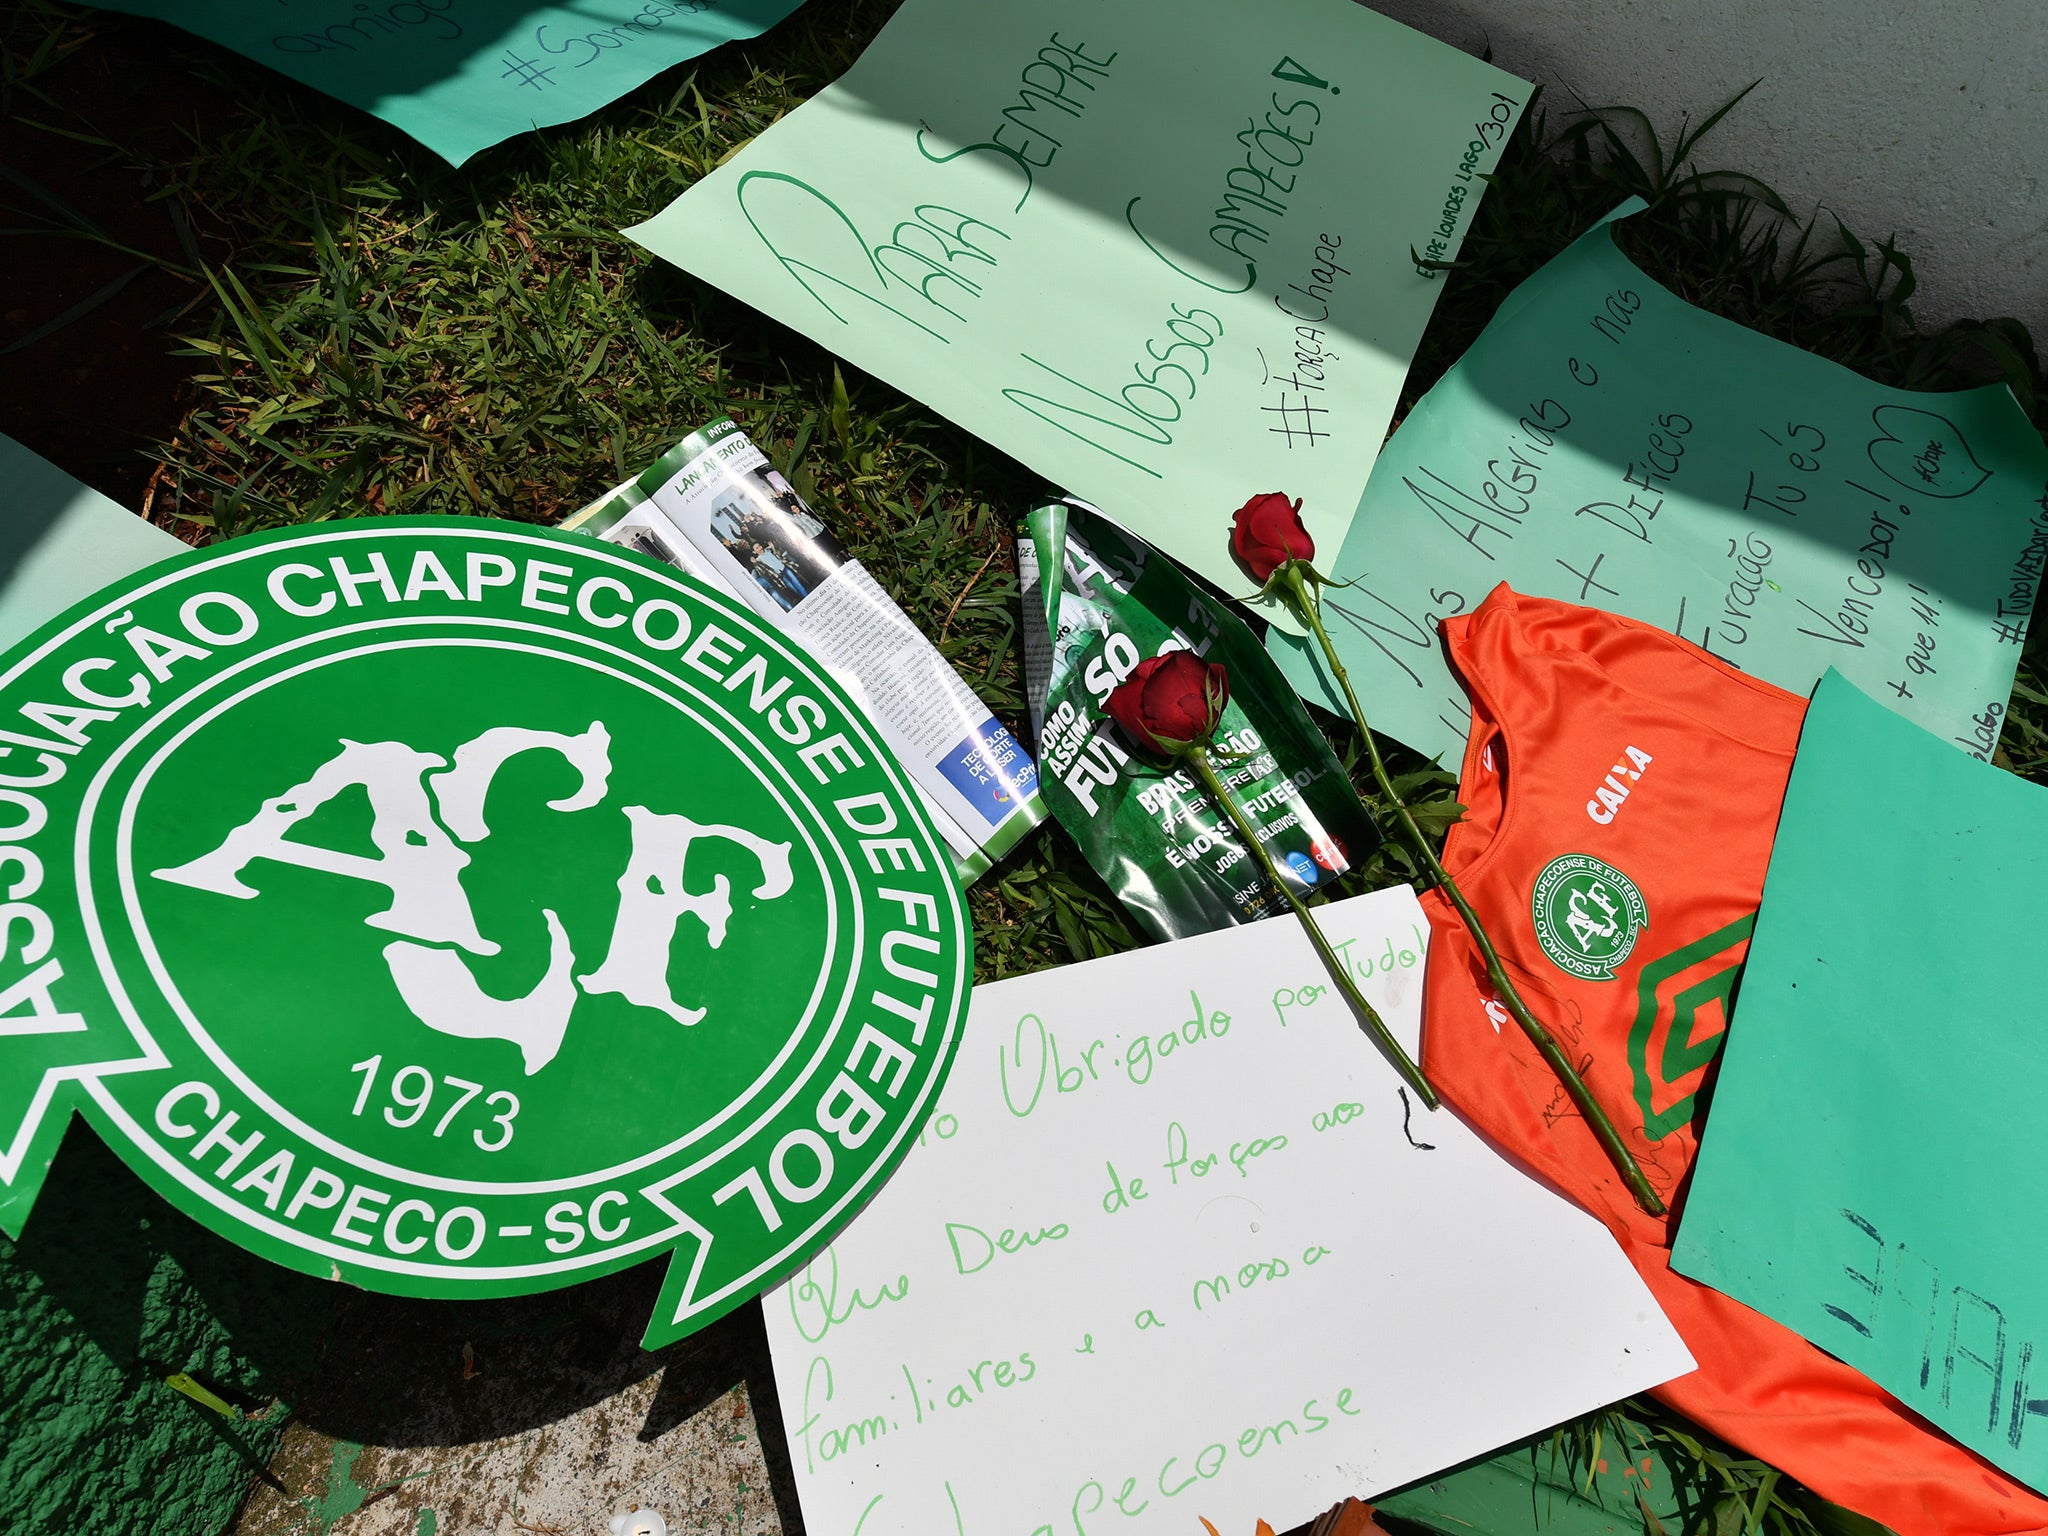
pixel 1623 789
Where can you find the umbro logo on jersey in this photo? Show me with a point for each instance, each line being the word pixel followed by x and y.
pixel 1614 789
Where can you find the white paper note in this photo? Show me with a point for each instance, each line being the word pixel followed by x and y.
pixel 1174 1244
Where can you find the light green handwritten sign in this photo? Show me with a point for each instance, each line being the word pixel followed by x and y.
pixel 460 75
pixel 1606 443
pixel 60 541
pixel 1159 250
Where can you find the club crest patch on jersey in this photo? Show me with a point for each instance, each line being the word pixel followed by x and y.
pixel 1587 915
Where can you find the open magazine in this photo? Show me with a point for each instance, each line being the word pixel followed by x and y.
pixel 714 507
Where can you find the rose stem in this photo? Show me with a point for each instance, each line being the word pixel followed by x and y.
pixel 1368 1016
pixel 1575 1086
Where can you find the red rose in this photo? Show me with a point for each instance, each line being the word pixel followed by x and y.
pixel 1266 533
pixel 1170 701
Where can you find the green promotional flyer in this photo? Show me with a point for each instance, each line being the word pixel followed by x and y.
pixel 461 75
pixel 1605 443
pixel 1097 602
pixel 456 909
pixel 1158 250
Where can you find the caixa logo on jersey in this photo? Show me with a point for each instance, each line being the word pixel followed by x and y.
pixel 456 909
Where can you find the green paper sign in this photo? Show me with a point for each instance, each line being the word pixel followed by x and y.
pixel 1097 603
pixel 1606 443
pixel 1158 250
pixel 455 909
pixel 64 541
pixel 460 75
pixel 1869 1174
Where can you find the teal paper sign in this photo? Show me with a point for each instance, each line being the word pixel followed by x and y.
pixel 457 909
pixel 1158 250
pixel 61 541
pixel 460 75
pixel 1606 443
pixel 1869 1175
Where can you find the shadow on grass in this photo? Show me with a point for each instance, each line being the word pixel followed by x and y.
pixel 119 1291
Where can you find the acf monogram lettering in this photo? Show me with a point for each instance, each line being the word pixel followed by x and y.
pixel 462 909
pixel 420 865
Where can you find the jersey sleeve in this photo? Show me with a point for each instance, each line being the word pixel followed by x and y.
pixel 1498 640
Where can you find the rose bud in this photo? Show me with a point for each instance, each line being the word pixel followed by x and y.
pixel 1170 701
pixel 1266 533
pixel 1171 706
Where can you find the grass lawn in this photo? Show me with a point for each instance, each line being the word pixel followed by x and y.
pixel 237 304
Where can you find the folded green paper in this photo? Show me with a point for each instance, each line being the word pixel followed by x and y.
pixel 461 75
pixel 1871 1170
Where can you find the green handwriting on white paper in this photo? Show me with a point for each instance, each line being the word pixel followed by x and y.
pixel 1167 1168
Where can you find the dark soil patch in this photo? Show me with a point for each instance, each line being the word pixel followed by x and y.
pixel 100 133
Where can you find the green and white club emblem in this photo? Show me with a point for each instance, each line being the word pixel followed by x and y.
pixel 1587 915
pixel 455 908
